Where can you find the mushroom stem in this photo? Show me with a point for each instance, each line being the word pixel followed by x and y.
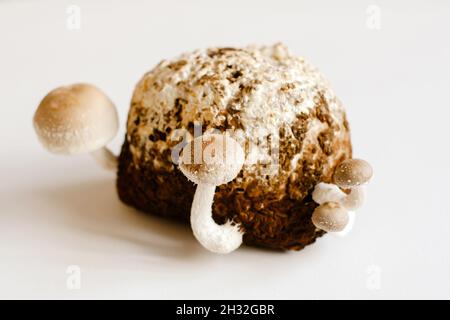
pixel 355 198
pixel 105 158
pixel 216 238
pixel 221 160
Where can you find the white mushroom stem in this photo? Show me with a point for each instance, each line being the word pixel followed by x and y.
pixel 216 238
pixel 327 192
pixel 355 199
pixel 105 158
pixel 209 161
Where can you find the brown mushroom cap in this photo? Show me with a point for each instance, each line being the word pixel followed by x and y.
pixel 75 119
pixel 352 173
pixel 330 217
pixel 212 159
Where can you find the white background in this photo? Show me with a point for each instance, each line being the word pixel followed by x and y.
pixel 62 211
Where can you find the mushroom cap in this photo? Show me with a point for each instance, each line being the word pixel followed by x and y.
pixel 75 119
pixel 330 217
pixel 348 227
pixel 352 173
pixel 212 159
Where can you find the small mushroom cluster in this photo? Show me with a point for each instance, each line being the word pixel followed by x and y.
pixel 338 201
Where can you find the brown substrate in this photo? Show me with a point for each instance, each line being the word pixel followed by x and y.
pixel 280 224
pixel 237 90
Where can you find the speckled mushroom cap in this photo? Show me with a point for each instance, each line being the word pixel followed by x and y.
pixel 273 102
pixel 75 119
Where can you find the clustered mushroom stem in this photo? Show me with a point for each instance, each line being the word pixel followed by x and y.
pixel 335 212
pixel 216 238
pixel 105 158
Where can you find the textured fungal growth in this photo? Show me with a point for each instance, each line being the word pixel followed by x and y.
pixel 277 106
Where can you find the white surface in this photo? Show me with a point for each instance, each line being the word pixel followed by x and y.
pixel 62 211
